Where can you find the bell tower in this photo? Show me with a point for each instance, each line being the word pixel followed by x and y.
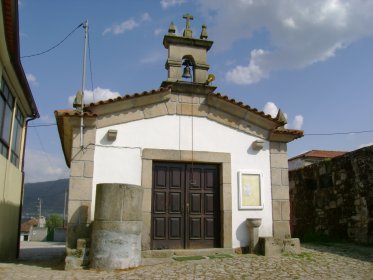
pixel 187 56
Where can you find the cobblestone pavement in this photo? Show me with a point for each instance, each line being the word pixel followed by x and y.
pixel 338 261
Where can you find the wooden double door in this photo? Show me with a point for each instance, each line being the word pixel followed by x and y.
pixel 185 206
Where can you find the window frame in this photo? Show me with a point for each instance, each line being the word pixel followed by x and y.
pixel 8 104
pixel 16 145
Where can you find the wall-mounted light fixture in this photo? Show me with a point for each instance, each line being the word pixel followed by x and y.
pixel 258 145
pixel 112 134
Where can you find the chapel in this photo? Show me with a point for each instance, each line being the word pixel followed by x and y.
pixel 205 162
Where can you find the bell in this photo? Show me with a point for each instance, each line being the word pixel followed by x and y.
pixel 186 72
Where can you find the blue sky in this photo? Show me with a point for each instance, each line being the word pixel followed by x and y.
pixel 312 59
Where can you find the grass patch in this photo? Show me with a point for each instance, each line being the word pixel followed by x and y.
pixel 220 256
pixel 302 256
pixel 188 258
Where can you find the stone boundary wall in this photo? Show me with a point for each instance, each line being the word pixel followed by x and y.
pixel 334 198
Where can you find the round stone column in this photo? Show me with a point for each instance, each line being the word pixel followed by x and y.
pixel 116 230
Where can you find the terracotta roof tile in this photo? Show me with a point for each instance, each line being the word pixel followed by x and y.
pixel 288 131
pixel 25 227
pixel 72 113
pixel 325 154
pixel 320 154
pixel 247 107
pixel 129 96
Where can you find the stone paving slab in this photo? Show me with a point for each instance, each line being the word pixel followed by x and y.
pixel 341 261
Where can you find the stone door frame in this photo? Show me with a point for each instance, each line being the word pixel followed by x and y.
pixel 224 162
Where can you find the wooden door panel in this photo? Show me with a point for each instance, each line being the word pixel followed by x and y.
pixel 210 178
pixel 160 177
pixel 195 177
pixel 209 228
pixel 159 227
pixel 209 204
pixel 176 177
pixel 160 205
pixel 175 226
pixel 195 204
pixel 195 230
pixel 175 203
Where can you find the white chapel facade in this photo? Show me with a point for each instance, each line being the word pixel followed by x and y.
pixel 206 162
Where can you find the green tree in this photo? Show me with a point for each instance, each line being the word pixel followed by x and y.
pixel 54 221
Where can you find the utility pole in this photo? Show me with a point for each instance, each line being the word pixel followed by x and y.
pixel 85 26
pixel 39 199
pixel 64 209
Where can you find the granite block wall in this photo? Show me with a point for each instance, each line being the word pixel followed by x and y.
pixel 334 198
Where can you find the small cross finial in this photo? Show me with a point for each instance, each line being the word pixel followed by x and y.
pixel 188 31
pixel 188 17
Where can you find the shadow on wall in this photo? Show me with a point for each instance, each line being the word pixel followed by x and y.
pixel 78 226
pixel 242 234
pixel 9 235
pixel 256 147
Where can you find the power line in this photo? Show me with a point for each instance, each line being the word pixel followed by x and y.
pixel 338 133
pixel 43 124
pixel 42 147
pixel 90 66
pixel 53 47
pixel 306 134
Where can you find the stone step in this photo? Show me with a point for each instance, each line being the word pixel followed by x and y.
pixel 168 253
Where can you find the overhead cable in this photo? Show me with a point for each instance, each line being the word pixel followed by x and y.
pixel 90 67
pixel 55 46
pixel 338 133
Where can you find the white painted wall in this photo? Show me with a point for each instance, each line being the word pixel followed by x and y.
pixel 120 161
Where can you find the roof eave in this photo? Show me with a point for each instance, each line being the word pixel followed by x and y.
pixel 285 135
pixel 66 121
pixel 10 8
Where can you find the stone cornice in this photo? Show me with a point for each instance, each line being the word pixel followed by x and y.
pixel 185 41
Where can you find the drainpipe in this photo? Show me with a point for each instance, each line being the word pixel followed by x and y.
pixel 35 116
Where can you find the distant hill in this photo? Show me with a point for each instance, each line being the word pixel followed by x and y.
pixel 52 194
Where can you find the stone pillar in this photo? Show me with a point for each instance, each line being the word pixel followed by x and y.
pixel 80 185
pixel 280 190
pixel 253 226
pixel 116 231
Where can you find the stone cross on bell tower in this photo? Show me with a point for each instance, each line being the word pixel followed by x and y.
pixel 187 31
pixel 186 48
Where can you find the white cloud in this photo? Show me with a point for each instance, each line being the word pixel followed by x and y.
pixel 298 122
pixel 365 145
pixel 302 32
pixel 158 31
pixel 31 79
pixel 96 95
pixel 40 166
pixel 170 3
pixel 272 109
pixel 127 25
pixel 145 17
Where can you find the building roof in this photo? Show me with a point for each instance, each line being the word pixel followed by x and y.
pixel 25 227
pixel 232 113
pixel 247 107
pixel 11 27
pixel 128 96
pixel 88 107
pixel 319 154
